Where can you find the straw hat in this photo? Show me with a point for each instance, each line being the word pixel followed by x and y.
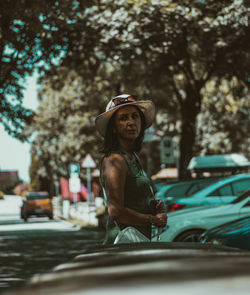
pixel 146 106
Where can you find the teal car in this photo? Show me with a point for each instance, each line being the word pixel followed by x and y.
pixel 168 192
pixel 232 234
pixel 220 192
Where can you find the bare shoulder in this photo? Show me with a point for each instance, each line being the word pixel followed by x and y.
pixel 114 161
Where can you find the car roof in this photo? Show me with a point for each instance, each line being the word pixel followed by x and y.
pixel 213 186
pixel 223 181
pixel 214 163
pixel 189 182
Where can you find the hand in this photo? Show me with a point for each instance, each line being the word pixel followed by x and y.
pixel 160 219
pixel 160 208
pixel 157 206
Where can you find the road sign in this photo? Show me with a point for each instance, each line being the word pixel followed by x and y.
pixel 74 168
pixel 74 183
pixel 169 150
pixel 88 162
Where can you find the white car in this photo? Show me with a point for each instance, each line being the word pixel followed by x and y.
pixel 187 225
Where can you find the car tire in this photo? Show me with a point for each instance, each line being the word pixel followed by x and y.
pixel 51 217
pixel 191 236
pixel 25 218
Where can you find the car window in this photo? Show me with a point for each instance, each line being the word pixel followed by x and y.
pixel 194 188
pixel 247 204
pixel 177 191
pixel 240 186
pixel 242 197
pixel 224 191
pixel 201 184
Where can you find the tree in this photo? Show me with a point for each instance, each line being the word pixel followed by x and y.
pixel 33 34
pixel 39 182
pixel 180 47
pixel 223 122
pixel 35 183
pixel 64 123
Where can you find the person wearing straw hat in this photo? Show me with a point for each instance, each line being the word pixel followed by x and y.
pixel 127 188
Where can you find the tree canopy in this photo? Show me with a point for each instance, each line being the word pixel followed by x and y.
pixel 33 34
pixel 165 50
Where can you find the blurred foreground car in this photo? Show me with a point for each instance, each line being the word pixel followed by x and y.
pixel 187 225
pixel 37 204
pixel 221 192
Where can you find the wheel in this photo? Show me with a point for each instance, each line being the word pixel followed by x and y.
pixel 25 218
pixel 50 216
pixel 192 236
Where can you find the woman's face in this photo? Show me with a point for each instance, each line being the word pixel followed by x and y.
pixel 127 123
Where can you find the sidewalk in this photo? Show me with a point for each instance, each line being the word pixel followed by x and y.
pixel 83 214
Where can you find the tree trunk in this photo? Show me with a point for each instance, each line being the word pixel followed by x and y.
pixel 190 108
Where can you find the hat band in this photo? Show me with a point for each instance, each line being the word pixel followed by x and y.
pixel 122 100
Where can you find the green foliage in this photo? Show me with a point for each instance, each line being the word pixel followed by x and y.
pixel 33 34
pixel 223 123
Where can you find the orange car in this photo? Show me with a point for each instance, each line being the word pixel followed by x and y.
pixel 37 204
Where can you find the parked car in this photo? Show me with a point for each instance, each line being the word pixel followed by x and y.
pixel 37 204
pixel 187 225
pixel 232 234
pixel 220 192
pixel 219 164
pixel 168 192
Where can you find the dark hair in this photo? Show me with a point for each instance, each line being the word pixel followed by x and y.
pixel 110 140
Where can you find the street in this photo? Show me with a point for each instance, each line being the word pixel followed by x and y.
pixel 36 246
pixel 55 257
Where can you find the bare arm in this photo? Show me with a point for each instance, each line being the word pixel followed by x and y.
pixel 114 172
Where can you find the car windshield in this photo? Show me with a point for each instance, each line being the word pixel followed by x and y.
pixel 37 197
pixel 201 185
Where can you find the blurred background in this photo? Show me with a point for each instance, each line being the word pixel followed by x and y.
pixel 61 62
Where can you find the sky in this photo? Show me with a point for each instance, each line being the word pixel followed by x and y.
pixel 15 155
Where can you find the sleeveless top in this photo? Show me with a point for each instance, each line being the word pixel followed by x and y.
pixel 138 194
